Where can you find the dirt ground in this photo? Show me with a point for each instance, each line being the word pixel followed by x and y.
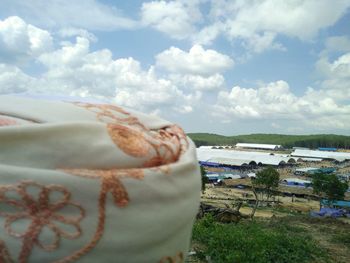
pixel 322 230
pixel 218 196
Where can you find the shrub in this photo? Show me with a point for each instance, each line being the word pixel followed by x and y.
pixel 254 242
pixel 342 238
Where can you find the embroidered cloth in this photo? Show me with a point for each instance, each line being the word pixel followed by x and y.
pixel 93 182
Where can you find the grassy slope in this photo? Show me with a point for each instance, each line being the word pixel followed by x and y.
pixel 288 239
pixel 312 141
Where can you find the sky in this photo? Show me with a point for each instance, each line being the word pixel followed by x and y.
pixel 224 67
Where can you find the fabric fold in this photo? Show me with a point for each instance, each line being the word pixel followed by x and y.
pixel 119 170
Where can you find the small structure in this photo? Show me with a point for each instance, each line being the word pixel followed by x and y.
pixel 251 175
pixel 296 182
pixel 258 146
pixel 306 170
pixel 327 149
pixel 218 177
pixel 209 164
pixel 338 203
pixel 313 170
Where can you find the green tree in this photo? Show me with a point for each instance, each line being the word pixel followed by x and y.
pixel 329 186
pixel 204 178
pixel 267 179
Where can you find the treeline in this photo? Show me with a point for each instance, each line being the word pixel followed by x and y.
pixel 287 141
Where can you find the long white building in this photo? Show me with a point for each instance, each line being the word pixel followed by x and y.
pixel 241 158
pixel 258 146
pixel 338 156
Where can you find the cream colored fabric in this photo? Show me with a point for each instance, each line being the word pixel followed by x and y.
pixel 93 183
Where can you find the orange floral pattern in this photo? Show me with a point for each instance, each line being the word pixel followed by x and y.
pixel 110 181
pixel 4 253
pixel 159 147
pixel 41 214
pixel 131 136
pixel 131 141
pixel 108 113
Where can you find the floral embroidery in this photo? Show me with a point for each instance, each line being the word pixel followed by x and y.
pixel 162 146
pixel 131 141
pixel 110 181
pixel 179 258
pixel 4 253
pixel 41 213
pixel 108 113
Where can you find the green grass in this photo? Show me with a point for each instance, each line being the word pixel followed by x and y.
pixel 288 141
pixel 342 238
pixel 256 241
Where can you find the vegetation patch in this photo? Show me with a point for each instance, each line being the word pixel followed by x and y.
pixel 287 141
pixel 255 241
pixel 342 238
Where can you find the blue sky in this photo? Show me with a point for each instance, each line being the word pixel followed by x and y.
pixel 227 67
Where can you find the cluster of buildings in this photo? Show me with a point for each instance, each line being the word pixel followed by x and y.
pixel 221 156
pixel 244 160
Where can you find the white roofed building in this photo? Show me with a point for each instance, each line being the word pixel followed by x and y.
pixel 258 146
pixel 241 158
pixel 296 182
pixel 338 156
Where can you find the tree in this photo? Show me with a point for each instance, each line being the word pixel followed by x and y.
pixel 267 179
pixel 204 178
pixel 329 186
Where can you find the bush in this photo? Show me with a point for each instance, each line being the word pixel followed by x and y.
pixel 342 238
pixel 254 242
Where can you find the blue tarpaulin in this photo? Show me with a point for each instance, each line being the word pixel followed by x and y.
pixel 209 164
pixel 330 212
pixel 339 203
pixel 330 149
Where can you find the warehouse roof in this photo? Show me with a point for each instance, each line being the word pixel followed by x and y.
pixel 259 146
pixel 239 158
pixel 339 156
pixel 230 161
pixel 296 180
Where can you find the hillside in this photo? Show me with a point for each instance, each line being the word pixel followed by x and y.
pixel 287 141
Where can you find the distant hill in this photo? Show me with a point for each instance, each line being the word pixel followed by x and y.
pixel 287 141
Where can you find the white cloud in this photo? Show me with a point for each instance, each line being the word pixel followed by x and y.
pixel 197 61
pixel 86 14
pixel 336 76
pixel 69 55
pixel 13 80
pixel 175 18
pixel 74 70
pixel 197 82
pixel 341 66
pixel 19 40
pixel 73 31
pixel 257 22
pixel 180 81
pixel 77 69
pixel 198 69
pixel 338 43
pixel 275 102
